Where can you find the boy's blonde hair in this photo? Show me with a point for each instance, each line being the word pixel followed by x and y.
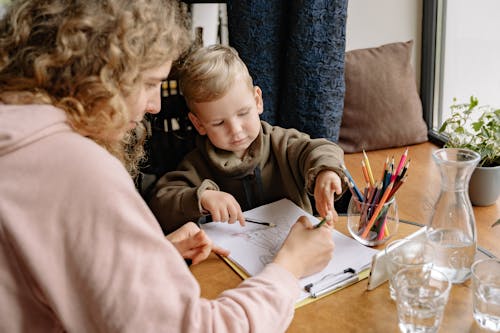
pixel 207 73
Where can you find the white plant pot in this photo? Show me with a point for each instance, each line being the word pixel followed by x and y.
pixel 484 186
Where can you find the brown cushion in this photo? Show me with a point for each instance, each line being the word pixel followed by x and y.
pixel 382 108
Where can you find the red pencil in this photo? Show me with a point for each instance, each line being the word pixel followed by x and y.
pixel 400 165
pixel 397 186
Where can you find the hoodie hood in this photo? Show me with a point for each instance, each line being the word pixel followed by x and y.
pixel 23 124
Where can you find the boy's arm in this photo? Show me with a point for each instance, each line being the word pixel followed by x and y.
pixel 175 199
pixel 320 155
pixel 308 157
pixel 320 162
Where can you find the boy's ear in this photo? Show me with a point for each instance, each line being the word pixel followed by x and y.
pixel 197 124
pixel 258 99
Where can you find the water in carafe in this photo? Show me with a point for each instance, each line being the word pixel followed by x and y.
pixel 452 229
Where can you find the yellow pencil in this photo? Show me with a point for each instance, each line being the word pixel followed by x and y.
pixel 368 168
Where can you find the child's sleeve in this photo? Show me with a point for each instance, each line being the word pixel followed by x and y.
pixel 308 157
pixel 175 199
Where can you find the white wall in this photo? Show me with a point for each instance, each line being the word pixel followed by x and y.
pixel 376 22
pixel 206 15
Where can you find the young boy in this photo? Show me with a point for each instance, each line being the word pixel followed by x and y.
pixel 240 161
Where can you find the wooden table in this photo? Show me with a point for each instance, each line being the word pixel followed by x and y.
pixel 355 309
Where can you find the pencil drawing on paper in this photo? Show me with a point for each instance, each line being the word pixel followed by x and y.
pixel 268 239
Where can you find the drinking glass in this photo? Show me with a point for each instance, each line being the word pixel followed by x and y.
pixel 405 253
pixel 381 222
pixel 421 296
pixel 486 293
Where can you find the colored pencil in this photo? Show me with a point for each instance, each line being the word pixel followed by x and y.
pixel 251 220
pixel 322 222
pixel 365 172
pixel 368 168
pixel 349 177
pixel 396 187
pixel 402 161
pixel 404 170
pixel 380 205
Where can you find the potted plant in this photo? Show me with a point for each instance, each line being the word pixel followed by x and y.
pixel 477 127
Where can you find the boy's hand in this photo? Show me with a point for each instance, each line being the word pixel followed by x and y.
pixel 222 206
pixel 326 185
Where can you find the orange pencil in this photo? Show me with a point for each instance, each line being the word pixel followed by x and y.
pixel 377 210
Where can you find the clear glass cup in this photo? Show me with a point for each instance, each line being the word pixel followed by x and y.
pixel 383 222
pixel 407 253
pixel 486 293
pixel 421 297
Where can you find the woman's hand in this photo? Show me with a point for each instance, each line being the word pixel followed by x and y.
pixel 193 243
pixel 306 249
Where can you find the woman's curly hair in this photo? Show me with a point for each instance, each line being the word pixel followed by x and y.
pixel 85 56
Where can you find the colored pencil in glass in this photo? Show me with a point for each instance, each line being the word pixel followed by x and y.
pixel 368 168
pixel 377 210
pixel 349 177
pixel 354 190
pixel 378 193
pixel 402 161
pixel 397 186
pixel 384 170
pixel 404 170
pixel 365 172
pixel 346 172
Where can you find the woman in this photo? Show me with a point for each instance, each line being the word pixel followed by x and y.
pixel 80 250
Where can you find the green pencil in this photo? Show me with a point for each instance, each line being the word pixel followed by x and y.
pixel 321 222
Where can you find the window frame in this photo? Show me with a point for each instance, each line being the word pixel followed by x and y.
pixel 431 65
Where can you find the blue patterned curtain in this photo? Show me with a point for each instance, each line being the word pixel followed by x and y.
pixel 294 50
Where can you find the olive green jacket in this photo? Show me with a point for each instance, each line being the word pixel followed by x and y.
pixel 280 163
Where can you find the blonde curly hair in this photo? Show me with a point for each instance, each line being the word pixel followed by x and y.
pixel 85 57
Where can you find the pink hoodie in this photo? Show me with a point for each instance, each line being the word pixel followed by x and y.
pixel 80 251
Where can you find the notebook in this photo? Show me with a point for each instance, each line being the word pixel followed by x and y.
pixel 254 246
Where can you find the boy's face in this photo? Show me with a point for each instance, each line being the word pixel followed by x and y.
pixel 232 122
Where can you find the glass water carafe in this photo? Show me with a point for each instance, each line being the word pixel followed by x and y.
pixel 452 229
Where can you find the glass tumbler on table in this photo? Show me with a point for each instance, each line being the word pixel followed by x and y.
pixel 407 253
pixel 421 297
pixel 486 293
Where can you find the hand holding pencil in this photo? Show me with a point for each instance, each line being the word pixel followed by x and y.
pixel 326 185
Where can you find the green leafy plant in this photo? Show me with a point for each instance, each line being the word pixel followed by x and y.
pixel 476 128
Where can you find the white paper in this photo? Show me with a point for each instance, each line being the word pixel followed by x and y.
pixel 254 246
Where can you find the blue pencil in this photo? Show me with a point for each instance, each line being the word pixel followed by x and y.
pixel 351 181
